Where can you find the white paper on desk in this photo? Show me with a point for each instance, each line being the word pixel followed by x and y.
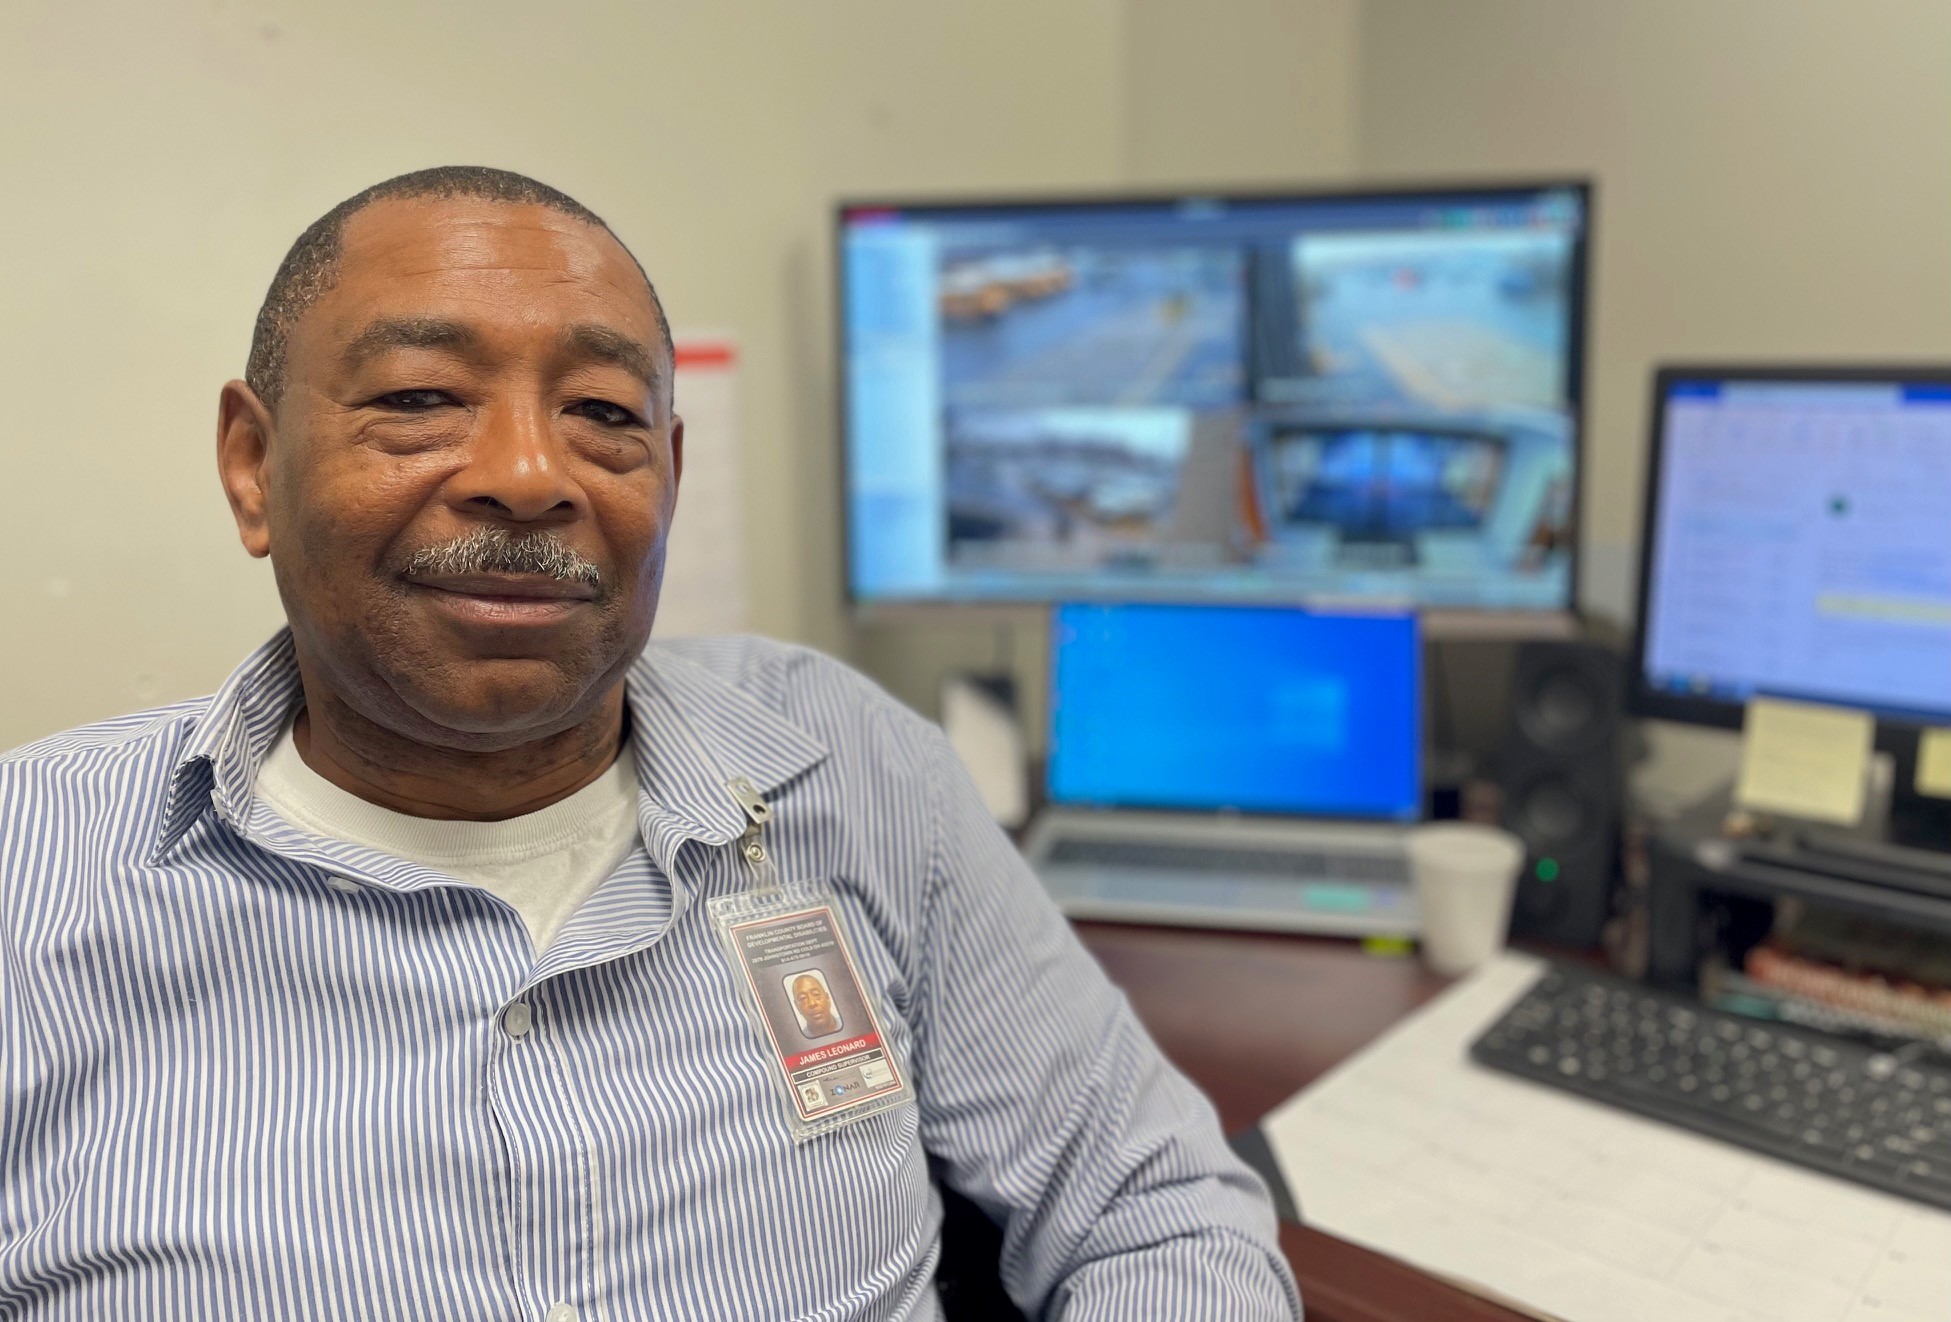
pixel 1572 1210
pixel 704 560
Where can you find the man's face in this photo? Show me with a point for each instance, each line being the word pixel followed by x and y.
pixel 812 999
pixel 479 369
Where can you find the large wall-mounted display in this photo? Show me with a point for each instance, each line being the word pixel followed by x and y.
pixel 1364 397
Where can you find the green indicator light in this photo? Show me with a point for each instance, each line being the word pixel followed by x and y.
pixel 1547 869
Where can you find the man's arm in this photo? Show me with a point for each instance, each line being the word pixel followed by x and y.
pixel 1050 1106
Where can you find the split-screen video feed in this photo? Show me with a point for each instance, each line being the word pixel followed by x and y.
pixel 1268 411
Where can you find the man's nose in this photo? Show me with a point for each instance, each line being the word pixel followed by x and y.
pixel 516 467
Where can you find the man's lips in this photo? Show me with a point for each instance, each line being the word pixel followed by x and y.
pixel 503 598
pixel 532 586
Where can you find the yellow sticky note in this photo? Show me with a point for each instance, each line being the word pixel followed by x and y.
pixel 1934 763
pixel 1805 760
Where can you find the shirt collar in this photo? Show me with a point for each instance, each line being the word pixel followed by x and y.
pixel 691 730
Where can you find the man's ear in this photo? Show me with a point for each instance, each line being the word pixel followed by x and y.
pixel 677 450
pixel 243 461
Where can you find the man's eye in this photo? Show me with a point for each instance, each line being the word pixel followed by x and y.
pixel 601 410
pixel 413 401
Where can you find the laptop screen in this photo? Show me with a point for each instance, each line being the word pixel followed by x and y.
pixel 1248 708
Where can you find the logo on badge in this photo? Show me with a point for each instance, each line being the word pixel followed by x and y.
pixel 812 1094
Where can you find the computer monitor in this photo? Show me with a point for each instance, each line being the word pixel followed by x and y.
pixel 1363 396
pixel 1797 543
pixel 1252 709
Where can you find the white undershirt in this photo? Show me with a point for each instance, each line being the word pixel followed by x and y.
pixel 544 864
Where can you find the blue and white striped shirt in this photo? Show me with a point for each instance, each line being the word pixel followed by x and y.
pixel 249 1073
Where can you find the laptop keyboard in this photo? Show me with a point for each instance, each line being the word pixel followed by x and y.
pixel 1295 865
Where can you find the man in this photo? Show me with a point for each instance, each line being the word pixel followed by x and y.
pixel 816 1017
pixel 388 981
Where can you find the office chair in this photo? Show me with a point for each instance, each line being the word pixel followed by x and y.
pixel 968 1279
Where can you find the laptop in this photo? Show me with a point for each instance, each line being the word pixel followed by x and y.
pixel 1232 766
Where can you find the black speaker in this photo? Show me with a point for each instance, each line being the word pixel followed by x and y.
pixel 1562 773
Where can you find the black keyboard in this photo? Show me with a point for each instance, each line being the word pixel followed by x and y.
pixel 1821 1101
pixel 1301 865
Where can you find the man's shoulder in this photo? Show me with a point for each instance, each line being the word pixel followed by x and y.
pixel 818 692
pixel 107 747
pixel 745 661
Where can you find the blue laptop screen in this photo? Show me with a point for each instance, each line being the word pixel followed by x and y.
pixel 1254 709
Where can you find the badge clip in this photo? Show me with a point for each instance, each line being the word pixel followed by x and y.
pixel 751 845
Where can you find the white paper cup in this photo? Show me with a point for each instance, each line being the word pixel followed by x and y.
pixel 1464 877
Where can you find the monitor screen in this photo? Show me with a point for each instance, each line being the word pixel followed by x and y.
pixel 1249 708
pixel 1798 544
pixel 1348 397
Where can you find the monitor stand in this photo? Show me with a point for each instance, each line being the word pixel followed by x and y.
pixel 1903 820
pixel 1918 821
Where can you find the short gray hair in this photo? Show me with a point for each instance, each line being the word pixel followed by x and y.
pixel 311 267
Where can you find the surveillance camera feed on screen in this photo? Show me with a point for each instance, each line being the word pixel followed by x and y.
pixel 1355 398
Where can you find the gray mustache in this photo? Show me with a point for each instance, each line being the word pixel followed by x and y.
pixel 497 551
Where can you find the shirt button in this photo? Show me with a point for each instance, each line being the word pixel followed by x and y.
pixel 341 885
pixel 515 1022
pixel 560 1313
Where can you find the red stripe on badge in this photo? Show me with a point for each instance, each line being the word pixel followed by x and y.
pixel 837 1051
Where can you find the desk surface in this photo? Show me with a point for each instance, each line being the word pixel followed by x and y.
pixel 1253 1019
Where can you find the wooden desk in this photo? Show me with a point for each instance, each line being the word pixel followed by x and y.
pixel 1253 1019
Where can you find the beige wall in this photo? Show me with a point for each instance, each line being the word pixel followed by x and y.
pixel 1239 92
pixel 1774 179
pixel 160 154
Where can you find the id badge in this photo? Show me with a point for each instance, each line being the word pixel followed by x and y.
pixel 803 991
